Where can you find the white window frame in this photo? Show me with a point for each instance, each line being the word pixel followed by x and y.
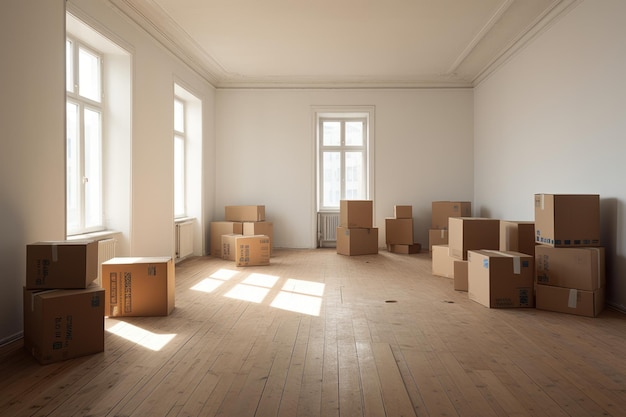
pixel 180 135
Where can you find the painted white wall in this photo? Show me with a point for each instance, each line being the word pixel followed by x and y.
pixel 552 120
pixel 265 142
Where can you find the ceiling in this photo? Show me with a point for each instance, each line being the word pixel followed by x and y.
pixel 343 43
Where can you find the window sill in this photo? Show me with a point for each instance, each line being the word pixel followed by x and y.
pixel 104 234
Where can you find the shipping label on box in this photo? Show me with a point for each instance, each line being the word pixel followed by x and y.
pixel 61 264
pixel 579 268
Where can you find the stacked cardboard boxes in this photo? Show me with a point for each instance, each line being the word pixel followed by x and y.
pixel 356 234
pixel 441 212
pixel 399 231
pixel 517 236
pixel 63 308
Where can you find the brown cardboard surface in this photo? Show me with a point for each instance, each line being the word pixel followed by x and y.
pixel 472 233
pixel 517 236
pixel 565 220
pixel 570 300
pixel 252 250
pixel 357 241
pixel 460 275
pixel 222 228
pixel 576 267
pixel 356 213
pixel 442 262
pixel 402 212
pixel 443 210
pixel 399 231
pixel 244 213
pixel 61 264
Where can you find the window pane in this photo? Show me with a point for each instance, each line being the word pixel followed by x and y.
pixel 331 133
pixel 93 169
pixel 355 187
pixel 73 169
pixel 354 133
pixel 179 116
pixel 69 66
pixel 89 75
pixel 179 176
pixel 331 179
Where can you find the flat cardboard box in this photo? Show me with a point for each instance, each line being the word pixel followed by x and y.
pixel 222 228
pixel 442 262
pixel 437 237
pixel 472 233
pixel 244 213
pixel 566 220
pixel 356 214
pixel 443 210
pixel 63 324
pixel 579 268
pixel 252 250
pixel 404 249
pixel 498 279
pixel 61 264
pixel 571 301
pixel 402 212
pixel 260 228
pixel 398 231
pixel 136 287
pixel 460 275
pixel 229 243
pixel 357 241
pixel 517 236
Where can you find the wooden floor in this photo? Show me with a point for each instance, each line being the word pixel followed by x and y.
pixel 321 334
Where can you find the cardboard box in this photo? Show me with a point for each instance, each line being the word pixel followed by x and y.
pixel 222 228
pixel 260 228
pixel 61 264
pixel 63 324
pixel 460 275
pixel 356 214
pixel 572 301
pixel 244 213
pixel 399 231
pixel 139 286
pixel 472 233
pixel 229 243
pixel 579 268
pixel 404 249
pixel 442 262
pixel 357 241
pixel 565 220
pixel 252 250
pixel 500 279
pixel 403 212
pixel 517 236
pixel 443 210
pixel 437 237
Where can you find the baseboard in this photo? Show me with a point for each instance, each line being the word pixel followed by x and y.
pixel 11 339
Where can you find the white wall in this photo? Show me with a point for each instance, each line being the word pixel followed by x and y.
pixel 265 142
pixel 553 120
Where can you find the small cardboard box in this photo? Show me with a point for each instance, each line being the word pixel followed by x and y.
pixel 565 220
pixel 403 212
pixel 398 231
pixel 460 275
pixel 252 250
pixel 142 286
pixel 517 236
pixel 356 214
pixel 63 324
pixel 61 264
pixel 570 300
pixel 357 241
pixel 229 244
pixel 222 228
pixel 472 233
pixel 442 262
pixel 500 279
pixel 244 213
pixel 443 210
pixel 260 228
pixel 437 237
pixel 579 268
pixel 404 249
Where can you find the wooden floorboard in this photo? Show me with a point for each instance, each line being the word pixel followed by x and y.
pixel 320 334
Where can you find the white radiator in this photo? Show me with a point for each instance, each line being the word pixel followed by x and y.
pixel 106 251
pixel 327 224
pixel 184 239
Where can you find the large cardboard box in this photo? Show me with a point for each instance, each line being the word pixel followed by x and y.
pixel 472 233
pixel 61 264
pixel 565 220
pixel 460 275
pixel 499 279
pixel 63 324
pixel 437 237
pixel 260 228
pixel 252 250
pixel 517 236
pixel 403 212
pixel 142 286
pixel 443 210
pixel 404 249
pixel 222 228
pixel 570 300
pixel 229 244
pixel 579 268
pixel 399 231
pixel 244 213
pixel 357 241
pixel 442 262
pixel 356 213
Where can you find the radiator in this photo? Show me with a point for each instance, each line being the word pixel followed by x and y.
pixel 327 224
pixel 184 239
pixel 106 251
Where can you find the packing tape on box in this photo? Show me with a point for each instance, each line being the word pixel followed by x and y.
pixel 573 297
pixel 55 252
pixel 443 233
pixel 517 262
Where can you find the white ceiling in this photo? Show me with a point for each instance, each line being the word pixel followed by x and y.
pixel 343 43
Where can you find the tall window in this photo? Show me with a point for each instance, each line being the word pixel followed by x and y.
pixel 84 138
pixel 179 158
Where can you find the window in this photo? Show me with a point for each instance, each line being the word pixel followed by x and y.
pixel 84 138
pixel 179 158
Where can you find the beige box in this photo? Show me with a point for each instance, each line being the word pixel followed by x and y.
pixel 357 241
pixel 402 212
pixel 222 228
pixel 579 268
pixel 565 220
pixel 570 300
pixel 460 275
pixel 63 324
pixel 143 286
pixel 260 228
pixel 517 236
pixel 498 279
pixel 442 262
pixel 404 249
pixel 229 242
pixel 61 264
pixel 398 231
pixel 244 213
pixel 437 237
pixel 472 233
pixel 356 214
pixel 252 250
pixel 443 210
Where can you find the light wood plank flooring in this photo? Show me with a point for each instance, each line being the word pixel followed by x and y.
pixel 321 334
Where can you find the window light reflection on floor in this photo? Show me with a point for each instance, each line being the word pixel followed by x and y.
pixel 145 338
pixel 214 280
pixel 299 303
pixel 247 293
